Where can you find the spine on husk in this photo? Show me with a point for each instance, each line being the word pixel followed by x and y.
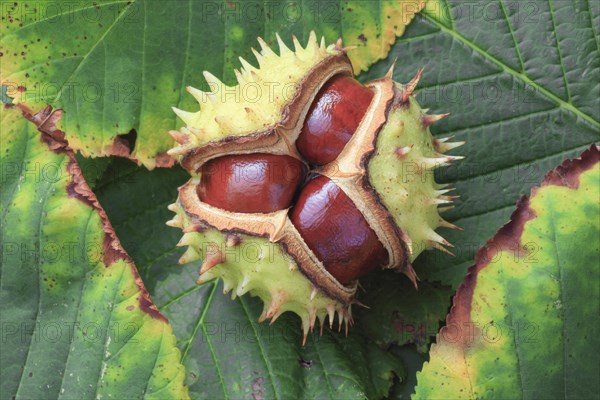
pixel 384 169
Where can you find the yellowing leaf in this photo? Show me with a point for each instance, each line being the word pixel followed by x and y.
pixel 524 323
pixel 77 321
pixel 115 67
pixel 374 28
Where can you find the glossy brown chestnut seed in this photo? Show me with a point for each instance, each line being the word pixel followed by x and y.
pixel 251 183
pixel 332 119
pixel 336 231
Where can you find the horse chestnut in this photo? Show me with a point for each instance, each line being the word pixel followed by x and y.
pixel 336 231
pixel 250 183
pixel 333 119
pixel 372 200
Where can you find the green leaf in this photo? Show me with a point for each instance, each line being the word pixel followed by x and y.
pixel 525 322
pixel 400 313
pixel 413 361
pixel 92 168
pixel 114 66
pixel 215 334
pixel 76 319
pixel 520 81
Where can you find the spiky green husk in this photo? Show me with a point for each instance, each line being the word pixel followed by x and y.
pixel 255 265
pixel 386 169
pixel 401 171
pixel 257 102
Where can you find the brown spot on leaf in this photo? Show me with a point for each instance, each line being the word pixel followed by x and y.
pixel 119 147
pixel 163 160
pixel 567 174
pixel 305 363
pixel 257 388
pixel 362 38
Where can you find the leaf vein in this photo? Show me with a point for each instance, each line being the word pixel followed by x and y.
pixel 182 295
pixel 515 329
pixel 562 300
pixel 83 286
pixel 521 76
pixel 155 362
pixel 261 348
pixel 200 325
pixel 560 57
pixel 85 58
pixel 107 329
pixel 512 34
pixel 545 157
pixel 502 121
pixel 460 80
pixel 47 18
pixel 324 366
pixel 39 289
pixel 594 34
